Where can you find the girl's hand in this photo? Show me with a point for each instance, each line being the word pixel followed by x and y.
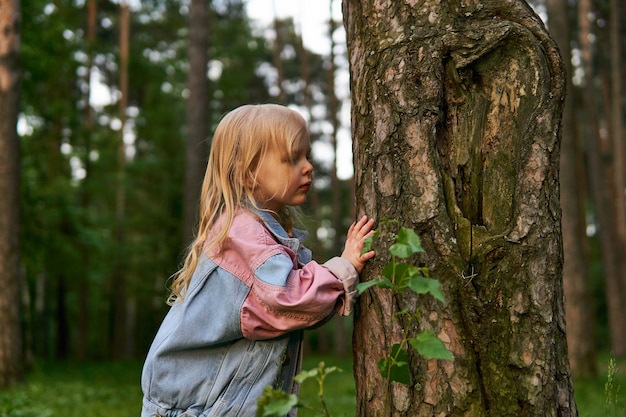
pixel 357 233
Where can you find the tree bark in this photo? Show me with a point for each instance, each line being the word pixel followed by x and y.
pixel 578 316
pixel 456 110
pixel 10 335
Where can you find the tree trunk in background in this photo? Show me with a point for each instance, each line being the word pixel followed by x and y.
pixel 82 345
pixel 313 196
pixel 198 118
pixel 120 348
pixel 313 200
pixel 579 317
pixel 277 50
pixel 603 209
pixel 617 138
pixel 61 323
pixel 10 335
pixel 456 110
pixel 334 107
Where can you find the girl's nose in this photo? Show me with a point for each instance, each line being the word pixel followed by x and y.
pixel 308 168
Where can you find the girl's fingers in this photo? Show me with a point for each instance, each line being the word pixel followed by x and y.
pixel 367 256
pixel 363 226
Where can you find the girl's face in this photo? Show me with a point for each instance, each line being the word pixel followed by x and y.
pixel 281 181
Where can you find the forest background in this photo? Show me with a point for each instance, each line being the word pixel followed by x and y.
pixel 104 186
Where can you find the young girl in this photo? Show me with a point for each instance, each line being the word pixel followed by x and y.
pixel 248 287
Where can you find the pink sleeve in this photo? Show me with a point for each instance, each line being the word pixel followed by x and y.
pixel 309 295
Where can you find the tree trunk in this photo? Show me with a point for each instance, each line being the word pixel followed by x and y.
pixel 82 344
pixel 337 213
pixel 277 50
pixel 617 139
pixel 10 335
pixel 197 112
pixel 118 300
pixel 62 327
pixel 601 193
pixel 456 110
pixel 578 316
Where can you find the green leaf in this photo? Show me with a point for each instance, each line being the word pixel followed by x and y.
pixel 401 250
pixel 409 238
pixel 380 283
pixel 407 243
pixel 331 369
pixel 395 366
pixel 275 402
pixel 422 285
pixel 304 375
pixel 364 286
pixel 368 243
pixel 389 270
pixel 400 373
pixel 384 283
pixel 430 347
pixel 396 272
pixel 383 366
pixel 404 275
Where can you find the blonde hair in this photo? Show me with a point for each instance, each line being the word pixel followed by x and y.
pixel 242 138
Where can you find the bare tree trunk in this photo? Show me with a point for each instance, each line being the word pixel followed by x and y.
pixel 119 295
pixel 617 137
pixel 278 63
pixel 601 192
pixel 197 112
pixel 313 199
pixel 578 316
pixel 84 287
pixel 334 107
pixel 617 129
pixel 62 333
pixel 10 336
pixel 456 110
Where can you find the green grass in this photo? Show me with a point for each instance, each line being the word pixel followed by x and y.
pixel 339 390
pixel 604 395
pixel 70 390
pixel 104 389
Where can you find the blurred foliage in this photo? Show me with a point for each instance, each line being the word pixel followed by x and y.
pixel 70 169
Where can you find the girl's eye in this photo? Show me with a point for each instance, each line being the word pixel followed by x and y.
pixel 297 156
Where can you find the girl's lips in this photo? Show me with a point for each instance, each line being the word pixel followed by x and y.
pixel 306 186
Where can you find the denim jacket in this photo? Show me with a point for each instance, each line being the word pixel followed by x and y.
pixel 239 327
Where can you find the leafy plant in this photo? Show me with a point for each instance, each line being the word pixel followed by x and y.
pixel 275 402
pixel 611 390
pixel 399 276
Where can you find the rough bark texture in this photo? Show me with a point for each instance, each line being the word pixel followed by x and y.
pixel 456 109
pixel 10 332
